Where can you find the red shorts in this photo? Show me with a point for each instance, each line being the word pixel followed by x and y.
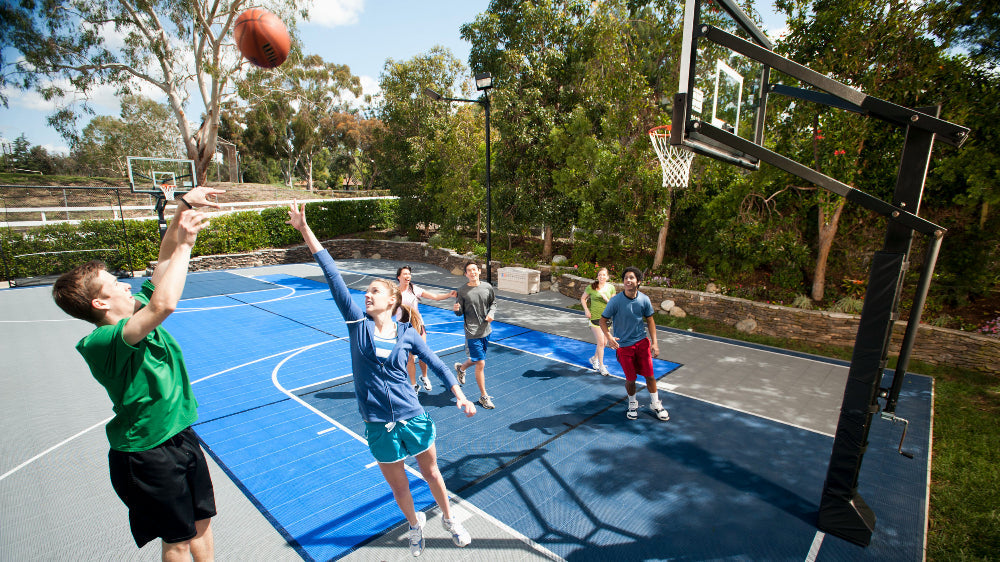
pixel 636 360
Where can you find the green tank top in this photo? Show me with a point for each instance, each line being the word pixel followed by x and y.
pixel 148 383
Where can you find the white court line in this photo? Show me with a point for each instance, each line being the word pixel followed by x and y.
pixel 459 501
pixel 52 448
pixel 99 424
pixel 814 547
pixel 35 321
pixel 310 385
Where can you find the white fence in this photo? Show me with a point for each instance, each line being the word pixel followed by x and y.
pixel 227 208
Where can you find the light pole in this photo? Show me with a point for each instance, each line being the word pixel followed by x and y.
pixel 484 81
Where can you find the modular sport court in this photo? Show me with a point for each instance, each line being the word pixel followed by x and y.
pixel 555 472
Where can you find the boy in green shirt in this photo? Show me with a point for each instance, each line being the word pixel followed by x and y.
pixel 157 466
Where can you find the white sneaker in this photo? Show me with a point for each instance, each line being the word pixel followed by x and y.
pixel 659 411
pixel 460 372
pixel 426 382
pixel 417 535
pixel 633 410
pixel 594 364
pixel 459 535
pixel 486 402
pixel 604 371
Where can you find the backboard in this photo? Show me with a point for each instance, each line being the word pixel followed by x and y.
pixel 718 86
pixel 145 175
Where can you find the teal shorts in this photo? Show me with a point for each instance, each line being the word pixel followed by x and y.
pixel 393 442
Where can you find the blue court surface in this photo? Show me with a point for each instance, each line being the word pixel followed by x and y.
pixel 557 461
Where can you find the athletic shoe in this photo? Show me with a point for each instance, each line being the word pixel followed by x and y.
pixel 427 383
pixel 659 411
pixel 460 372
pixel 459 535
pixel 486 402
pixel 416 388
pixel 604 371
pixel 417 535
pixel 594 364
pixel 633 410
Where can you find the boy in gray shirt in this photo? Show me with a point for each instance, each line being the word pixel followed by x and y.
pixel 476 302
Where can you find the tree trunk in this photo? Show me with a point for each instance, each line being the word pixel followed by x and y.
pixel 309 172
pixel 546 242
pixel 827 232
pixel 661 239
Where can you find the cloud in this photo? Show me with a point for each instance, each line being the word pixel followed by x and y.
pixel 333 13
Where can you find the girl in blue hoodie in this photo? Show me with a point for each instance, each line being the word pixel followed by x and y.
pixel 396 425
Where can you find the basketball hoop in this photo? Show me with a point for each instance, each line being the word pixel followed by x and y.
pixel 675 161
pixel 168 190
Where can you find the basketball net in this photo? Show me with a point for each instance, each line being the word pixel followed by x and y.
pixel 168 190
pixel 675 161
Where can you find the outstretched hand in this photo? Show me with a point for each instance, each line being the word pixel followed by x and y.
pixel 199 197
pixel 297 216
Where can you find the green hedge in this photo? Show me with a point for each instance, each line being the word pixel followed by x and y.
pixel 63 246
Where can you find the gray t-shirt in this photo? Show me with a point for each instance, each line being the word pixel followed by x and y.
pixel 475 304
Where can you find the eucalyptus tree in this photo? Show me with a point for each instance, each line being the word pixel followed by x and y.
pixel 578 85
pixel 295 110
pixel 418 148
pixel 879 47
pixel 145 128
pixel 183 49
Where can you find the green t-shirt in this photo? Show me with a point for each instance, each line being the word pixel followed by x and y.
pixel 599 299
pixel 148 384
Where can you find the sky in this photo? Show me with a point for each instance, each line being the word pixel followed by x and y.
pixel 362 34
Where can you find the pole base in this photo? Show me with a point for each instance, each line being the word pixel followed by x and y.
pixel 850 520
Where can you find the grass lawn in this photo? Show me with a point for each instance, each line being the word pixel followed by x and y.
pixel 965 462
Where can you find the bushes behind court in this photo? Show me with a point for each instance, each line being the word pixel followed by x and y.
pixel 54 249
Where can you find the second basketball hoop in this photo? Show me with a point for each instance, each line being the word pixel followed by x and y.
pixel 675 161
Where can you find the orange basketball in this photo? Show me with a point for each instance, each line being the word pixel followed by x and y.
pixel 262 38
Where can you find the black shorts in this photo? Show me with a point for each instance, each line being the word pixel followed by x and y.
pixel 166 488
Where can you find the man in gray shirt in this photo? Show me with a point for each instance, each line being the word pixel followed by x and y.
pixel 476 302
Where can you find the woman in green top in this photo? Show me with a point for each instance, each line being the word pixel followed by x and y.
pixel 598 293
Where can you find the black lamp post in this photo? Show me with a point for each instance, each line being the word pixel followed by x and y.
pixel 484 81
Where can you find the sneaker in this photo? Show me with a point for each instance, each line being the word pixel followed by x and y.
pixel 427 383
pixel 417 535
pixel 486 402
pixel 460 372
pixel 593 363
pixel 604 371
pixel 416 388
pixel 459 535
pixel 633 411
pixel 659 411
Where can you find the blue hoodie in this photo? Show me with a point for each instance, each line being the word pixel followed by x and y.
pixel 383 389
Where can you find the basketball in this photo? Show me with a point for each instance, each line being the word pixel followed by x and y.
pixel 262 38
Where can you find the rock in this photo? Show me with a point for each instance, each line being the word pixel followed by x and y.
pixel 554 286
pixel 558 259
pixel 711 288
pixel 667 305
pixel 545 286
pixel 356 254
pixel 678 312
pixel 457 271
pixel 747 326
pixel 376 256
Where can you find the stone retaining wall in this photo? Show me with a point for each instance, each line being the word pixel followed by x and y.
pixel 939 346
pixel 933 345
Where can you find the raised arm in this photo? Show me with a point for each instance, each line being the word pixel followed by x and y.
pixel 439 297
pixel 196 198
pixel 170 281
pixel 341 294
